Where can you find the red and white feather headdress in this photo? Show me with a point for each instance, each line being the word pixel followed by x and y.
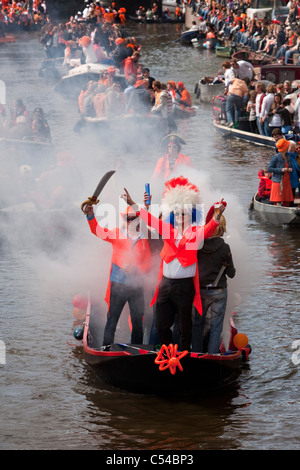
pixel 180 194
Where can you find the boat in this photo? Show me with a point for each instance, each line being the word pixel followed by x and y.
pixel 254 58
pixel 187 37
pixel 184 112
pixel 275 215
pixel 278 73
pixel 257 139
pixel 206 90
pixel 224 51
pixel 144 20
pixel 7 39
pixel 162 370
pixel 78 77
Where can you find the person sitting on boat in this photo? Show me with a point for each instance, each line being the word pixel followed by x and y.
pixel 139 101
pixel 120 53
pixel 185 100
pixel 160 107
pixel 178 284
pixel 21 130
pixel 173 90
pixel 281 166
pixel 130 64
pixel 264 187
pixel 215 264
pixel 146 76
pixel 242 69
pixel 114 100
pixel 173 159
pixel 40 127
pixel 131 260
pixel 237 94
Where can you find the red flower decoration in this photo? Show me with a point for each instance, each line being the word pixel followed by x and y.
pixel 168 357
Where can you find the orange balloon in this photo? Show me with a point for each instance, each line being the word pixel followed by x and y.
pixel 240 341
pixel 78 313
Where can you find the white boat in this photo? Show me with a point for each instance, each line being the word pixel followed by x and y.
pixel 205 91
pixel 276 215
pixel 257 139
pixel 78 77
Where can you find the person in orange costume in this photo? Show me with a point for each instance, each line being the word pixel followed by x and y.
pixel 178 280
pixel 172 158
pixel 186 99
pixel 131 258
pixel 130 65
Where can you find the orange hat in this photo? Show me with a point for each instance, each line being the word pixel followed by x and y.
pixel 129 212
pixel 85 41
pixel 139 83
pixel 111 69
pixel 119 41
pixel 282 145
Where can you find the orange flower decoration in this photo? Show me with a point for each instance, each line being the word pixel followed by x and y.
pixel 168 357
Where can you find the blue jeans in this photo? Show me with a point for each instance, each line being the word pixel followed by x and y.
pixel 264 128
pixel 119 295
pixel 213 301
pixel 233 107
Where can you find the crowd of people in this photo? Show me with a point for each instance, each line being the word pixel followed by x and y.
pixel 230 22
pixel 266 106
pixel 20 124
pixel 21 15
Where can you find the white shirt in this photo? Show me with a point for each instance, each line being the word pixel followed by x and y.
pixel 174 270
pixel 266 104
pixel 228 76
pixel 297 111
pixel 245 69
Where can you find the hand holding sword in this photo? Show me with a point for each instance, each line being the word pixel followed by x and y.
pixel 87 206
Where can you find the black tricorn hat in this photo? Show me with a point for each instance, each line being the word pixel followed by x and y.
pixel 173 138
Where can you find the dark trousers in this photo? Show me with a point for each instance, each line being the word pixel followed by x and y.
pixel 175 298
pixel 119 295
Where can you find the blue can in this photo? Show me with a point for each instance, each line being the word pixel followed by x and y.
pixel 147 190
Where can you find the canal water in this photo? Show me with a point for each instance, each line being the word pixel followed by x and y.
pixel 50 399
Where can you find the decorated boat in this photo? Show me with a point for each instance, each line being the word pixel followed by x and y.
pixel 158 370
pixel 275 215
pixel 254 58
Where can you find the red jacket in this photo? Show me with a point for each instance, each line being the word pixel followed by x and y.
pixel 185 252
pixel 163 167
pixel 124 251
